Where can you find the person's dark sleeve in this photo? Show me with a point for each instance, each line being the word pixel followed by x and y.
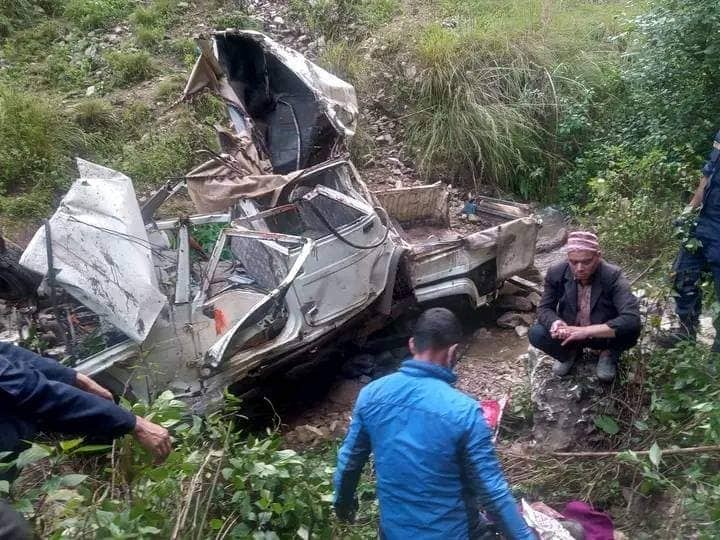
pixel 547 308
pixel 59 406
pixel 712 162
pixel 352 457
pixel 487 482
pixel 12 524
pixel 52 369
pixel 628 321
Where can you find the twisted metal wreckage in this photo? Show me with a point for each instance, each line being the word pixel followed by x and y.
pixel 306 253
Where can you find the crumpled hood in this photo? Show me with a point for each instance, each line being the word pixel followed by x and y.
pixel 101 252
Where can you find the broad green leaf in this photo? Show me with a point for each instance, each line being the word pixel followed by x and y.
pixel 31 455
pixel 72 480
pixel 607 424
pixel 216 524
pixel 70 444
pixel 303 532
pixel 4 486
pixel 655 454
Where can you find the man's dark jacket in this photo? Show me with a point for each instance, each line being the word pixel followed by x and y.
pixel 40 394
pixel 611 301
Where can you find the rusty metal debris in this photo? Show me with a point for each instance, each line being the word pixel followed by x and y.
pixel 305 252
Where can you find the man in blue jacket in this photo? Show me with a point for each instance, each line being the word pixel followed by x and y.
pixel 434 456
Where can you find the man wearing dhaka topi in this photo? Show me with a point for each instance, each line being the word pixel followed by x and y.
pixel 587 304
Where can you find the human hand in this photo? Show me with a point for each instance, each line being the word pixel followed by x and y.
pixel 558 330
pixel 576 333
pixel 154 438
pixel 83 382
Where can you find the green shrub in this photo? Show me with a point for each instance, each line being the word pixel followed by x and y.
pixel 168 90
pixel 145 16
pixel 94 115
pixel 632 202
pixel 14 14
pixel 183 49
pixel 93 14
pixel 240 20
pixel 39 141
pixel 166 153
pixel 130 66
pixel 336 19
pixel 149 36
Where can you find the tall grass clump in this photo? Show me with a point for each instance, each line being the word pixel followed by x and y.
pixel 495 82
pixel 130 66
pixel 478 118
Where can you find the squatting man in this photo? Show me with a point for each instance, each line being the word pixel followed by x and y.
pixel 586 303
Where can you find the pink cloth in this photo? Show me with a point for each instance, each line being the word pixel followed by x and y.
pixel 582 241
pixel 597 525
pixel 584 294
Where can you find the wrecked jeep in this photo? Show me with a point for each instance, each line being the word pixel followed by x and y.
pixel 305 252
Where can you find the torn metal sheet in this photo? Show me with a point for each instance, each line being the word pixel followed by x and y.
pixel 101 251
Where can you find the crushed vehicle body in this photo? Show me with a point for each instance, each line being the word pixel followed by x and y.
pixel 304 253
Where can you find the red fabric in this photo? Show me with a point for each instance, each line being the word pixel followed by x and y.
pixel 491 410
pixel 597 525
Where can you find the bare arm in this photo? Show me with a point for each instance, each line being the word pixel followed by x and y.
pixel 697 197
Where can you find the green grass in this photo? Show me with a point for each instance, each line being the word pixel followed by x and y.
pixel 94 14
pixel 128 67
pixel 95 115
pixel 39 158
pixel 165 152
pixel 491 86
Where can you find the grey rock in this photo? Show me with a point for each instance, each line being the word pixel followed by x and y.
pixel 534 298
pixel 514 303
pixel 278 20
pixel 511 320
pixel 521 331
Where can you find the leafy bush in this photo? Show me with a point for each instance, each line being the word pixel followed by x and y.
pixel 130 66
pixel 633 200
pixel 14 14
pixel 217 482
pixel 93 14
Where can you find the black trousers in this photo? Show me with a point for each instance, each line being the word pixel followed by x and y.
pixel 540 338
pixel 12 524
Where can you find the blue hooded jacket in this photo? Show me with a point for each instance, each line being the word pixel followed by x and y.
pixel 434 458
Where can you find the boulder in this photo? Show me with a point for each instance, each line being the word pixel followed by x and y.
pixel 514 303
pixel 534 299
pixel 521 331
pixel 511 319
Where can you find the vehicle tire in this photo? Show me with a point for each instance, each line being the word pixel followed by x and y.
pixel 16 282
